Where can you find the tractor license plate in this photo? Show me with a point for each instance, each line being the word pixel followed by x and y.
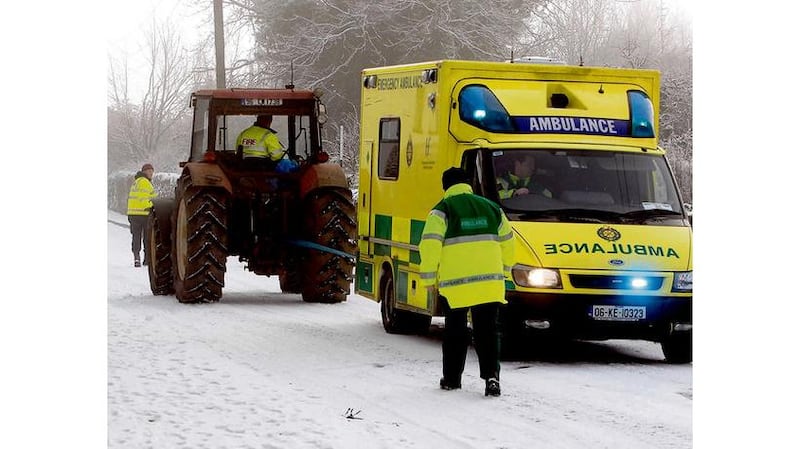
pixel 618 313
pixel 262 101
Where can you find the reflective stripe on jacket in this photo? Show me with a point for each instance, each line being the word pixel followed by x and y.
pixel 260 142
pixel 140 196
pixel 468 242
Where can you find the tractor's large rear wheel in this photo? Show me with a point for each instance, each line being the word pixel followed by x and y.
pixel 158 248
pixel 199 249
pixel 330 222
pixel 291 282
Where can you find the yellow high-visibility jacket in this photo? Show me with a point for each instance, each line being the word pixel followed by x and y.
pixel 141 195
pixel 468 243
pixel 507 184
pixel 258 142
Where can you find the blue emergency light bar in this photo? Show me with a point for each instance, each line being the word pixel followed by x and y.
pixel 479 107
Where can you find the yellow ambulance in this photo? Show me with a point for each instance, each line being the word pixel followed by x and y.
pixel 603 239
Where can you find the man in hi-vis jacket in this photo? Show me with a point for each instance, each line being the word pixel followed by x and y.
pixel 467 250
pixel 140 201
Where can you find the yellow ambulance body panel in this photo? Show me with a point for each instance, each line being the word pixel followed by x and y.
pixel 603 241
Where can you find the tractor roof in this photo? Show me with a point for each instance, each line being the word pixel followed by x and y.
pixel 234 93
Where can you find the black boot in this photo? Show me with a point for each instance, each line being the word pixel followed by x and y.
pixel 492 387
pixel 445 385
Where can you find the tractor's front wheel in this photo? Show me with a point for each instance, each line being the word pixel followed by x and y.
pixel 158 248
pixel 199 249
pixel 329 222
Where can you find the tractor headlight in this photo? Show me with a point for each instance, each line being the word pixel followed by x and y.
pixel 682 282
pixel 536 277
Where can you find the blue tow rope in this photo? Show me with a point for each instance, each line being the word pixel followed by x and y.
pixel 317 246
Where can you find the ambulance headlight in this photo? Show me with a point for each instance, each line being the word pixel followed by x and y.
pixel 682 282
pixel 536 277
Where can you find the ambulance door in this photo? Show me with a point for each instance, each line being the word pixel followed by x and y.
pixel 365 190
pixel 364 270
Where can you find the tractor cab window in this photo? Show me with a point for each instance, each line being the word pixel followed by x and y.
pixel 293 132
pixel 200 129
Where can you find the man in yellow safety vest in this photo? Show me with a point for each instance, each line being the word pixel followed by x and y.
pixel 467 250
pixel 260 141
pixel 139 204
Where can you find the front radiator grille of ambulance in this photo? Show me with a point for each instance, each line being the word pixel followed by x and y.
pixel 615 282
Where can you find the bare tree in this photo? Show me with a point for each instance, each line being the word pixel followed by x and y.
pixel 574 31
pixel 640 34
pixel 326 43
pixel 139 127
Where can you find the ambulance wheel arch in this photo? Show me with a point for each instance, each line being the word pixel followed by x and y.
pixel 397 321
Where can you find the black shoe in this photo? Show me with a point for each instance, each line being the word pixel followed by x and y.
pixel 492 387
pixel 444 385
pixel 136 263
pixel 144 262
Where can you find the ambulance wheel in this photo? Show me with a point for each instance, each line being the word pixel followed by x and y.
pixel 330 222
pixel 513 336
pixel 677 347
pixel 199 247
pixel 400 321
pixel 158 248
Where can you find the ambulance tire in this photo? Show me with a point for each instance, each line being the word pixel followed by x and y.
pixel 158 249
pixel 677 347
pixel 330 221
pixel 513 336
pixel 397 321
pixel 199 246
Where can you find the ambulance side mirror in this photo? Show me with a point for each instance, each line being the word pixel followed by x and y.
pixel 688 208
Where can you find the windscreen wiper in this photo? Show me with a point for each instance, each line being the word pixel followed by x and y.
pixel 642 215
pixel 572 215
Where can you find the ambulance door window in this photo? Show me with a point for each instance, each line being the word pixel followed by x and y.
pixel 471 163
pixel 389 148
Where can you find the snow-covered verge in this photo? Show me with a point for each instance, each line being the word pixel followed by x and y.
pixel 262 369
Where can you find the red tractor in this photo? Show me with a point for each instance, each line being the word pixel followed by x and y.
pixel 294 218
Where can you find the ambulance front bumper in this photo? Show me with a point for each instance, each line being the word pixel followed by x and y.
pixel 599 317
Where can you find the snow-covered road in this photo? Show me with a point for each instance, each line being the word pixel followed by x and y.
pixel 261 369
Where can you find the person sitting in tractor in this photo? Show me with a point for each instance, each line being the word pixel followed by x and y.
pixel 260 141
pixel 520 181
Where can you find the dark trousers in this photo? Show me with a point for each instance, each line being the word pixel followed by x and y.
pixel 138 224
pixel 456 340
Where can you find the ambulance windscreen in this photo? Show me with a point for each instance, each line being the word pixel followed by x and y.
pixel 598 186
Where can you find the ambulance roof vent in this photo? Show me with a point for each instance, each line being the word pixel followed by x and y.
pixel 537 60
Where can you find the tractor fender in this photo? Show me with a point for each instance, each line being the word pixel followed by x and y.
pixel 207 175
pixel 326 175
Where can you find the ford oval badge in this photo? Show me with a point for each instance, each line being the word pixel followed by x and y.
pixel 616 262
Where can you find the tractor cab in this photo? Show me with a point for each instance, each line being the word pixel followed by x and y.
pixel 220 115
